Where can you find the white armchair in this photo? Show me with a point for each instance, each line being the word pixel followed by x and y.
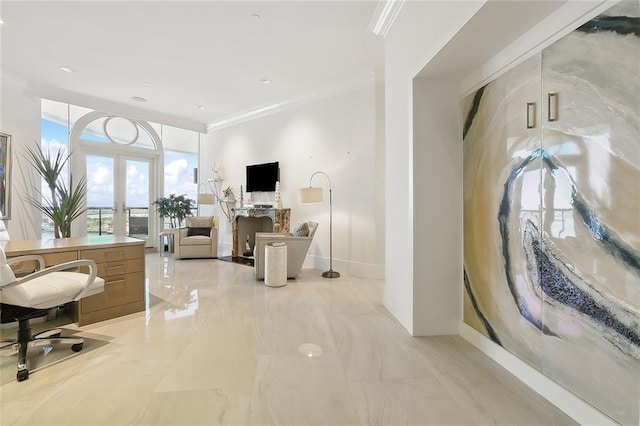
pixel 297 248
pixel 199 239
pixel 31 296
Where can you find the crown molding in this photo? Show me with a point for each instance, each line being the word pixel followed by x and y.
pixel 12 81
pixel 383 17
pixel 369 79
pixel 60 95
pixel 362 81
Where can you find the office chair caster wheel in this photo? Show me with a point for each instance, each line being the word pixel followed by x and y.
pixel 77 347
pixel 22 375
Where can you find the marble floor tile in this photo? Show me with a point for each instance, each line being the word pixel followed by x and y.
pixel 376 347
pixel 198 407
pixel 215 346
pixel 301 390
pixel 407 402
pixel 487 392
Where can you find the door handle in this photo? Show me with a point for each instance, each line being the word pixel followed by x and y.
pixel 552 106
pixel 531 115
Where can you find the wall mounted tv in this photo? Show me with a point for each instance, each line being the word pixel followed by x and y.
pixel 262 177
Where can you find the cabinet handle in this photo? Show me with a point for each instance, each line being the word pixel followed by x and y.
pixel 111 282
pixel 115 267
pixel 531 115
pixel 552 106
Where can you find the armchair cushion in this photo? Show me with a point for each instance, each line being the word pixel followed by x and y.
pixel 205 232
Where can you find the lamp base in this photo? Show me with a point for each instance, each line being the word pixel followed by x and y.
pixel 331 274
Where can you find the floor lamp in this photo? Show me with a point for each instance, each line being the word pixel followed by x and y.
pixel 314 195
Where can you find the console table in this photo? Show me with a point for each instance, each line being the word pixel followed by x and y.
pixel 249 220
pixel 120 262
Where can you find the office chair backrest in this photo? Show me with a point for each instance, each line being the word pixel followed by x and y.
pixel 6 273
pixel 4 234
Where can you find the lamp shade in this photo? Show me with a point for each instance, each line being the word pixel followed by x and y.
pixel 205 198
pixel 310 195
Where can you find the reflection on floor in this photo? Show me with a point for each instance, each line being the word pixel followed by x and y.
pixel 238 259
pixel 217 347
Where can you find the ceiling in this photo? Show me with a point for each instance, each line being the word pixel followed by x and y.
pixel 181 56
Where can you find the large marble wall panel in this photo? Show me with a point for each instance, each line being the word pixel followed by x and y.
pixel 552 213
pixel 496 140
pixel 591 212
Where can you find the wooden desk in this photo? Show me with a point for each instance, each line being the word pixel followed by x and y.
pixel 120 262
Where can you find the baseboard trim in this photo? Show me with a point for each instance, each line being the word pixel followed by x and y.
pixel 566 401
pixel 353 269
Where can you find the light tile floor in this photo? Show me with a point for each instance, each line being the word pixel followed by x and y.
pixel 217 347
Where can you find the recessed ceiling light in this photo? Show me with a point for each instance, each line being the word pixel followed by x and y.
pixel 202 107
pixel 255 16
pixel 138 99
pixel 264 81
pixel 147 83
pixel 66 69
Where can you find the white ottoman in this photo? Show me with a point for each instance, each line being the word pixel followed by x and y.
pixel 275 264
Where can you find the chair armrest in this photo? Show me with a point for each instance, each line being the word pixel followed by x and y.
pixel 93 269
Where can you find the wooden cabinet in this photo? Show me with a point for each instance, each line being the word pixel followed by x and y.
pixel 122 268
pixel 120 262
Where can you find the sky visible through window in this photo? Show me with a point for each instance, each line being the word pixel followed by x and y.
pixel 178 171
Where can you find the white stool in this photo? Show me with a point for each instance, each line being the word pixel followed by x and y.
pixel 275 264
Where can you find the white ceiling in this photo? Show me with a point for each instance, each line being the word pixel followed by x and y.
pixel 180 55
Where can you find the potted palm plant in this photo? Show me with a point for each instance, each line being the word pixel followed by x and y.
pixel 63 204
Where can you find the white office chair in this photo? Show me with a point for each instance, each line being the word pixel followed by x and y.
pixel 33 295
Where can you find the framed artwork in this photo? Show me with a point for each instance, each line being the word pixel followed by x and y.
pixel 5 176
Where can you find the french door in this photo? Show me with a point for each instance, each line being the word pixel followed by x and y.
pixel 120 190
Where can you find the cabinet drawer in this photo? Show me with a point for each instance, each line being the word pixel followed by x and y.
pixel 50 259
pixel 118 290
pixel 121 267
pixel 57 258
pixel 113 254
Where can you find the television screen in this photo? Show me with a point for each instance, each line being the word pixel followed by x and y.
pixel 262 177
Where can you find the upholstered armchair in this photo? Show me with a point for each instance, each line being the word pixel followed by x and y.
pixel 297 248
pixel 199 239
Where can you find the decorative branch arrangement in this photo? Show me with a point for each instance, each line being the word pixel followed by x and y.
pixel 227 200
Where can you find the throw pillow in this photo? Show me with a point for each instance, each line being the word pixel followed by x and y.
pixel 206 232
pixel 301 230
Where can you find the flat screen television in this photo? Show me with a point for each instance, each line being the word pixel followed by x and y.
pixel 262 177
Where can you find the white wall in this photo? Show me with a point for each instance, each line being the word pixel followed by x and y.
pixel 420 30
pixel 437 220
pixel 20 117
pixel 342 136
